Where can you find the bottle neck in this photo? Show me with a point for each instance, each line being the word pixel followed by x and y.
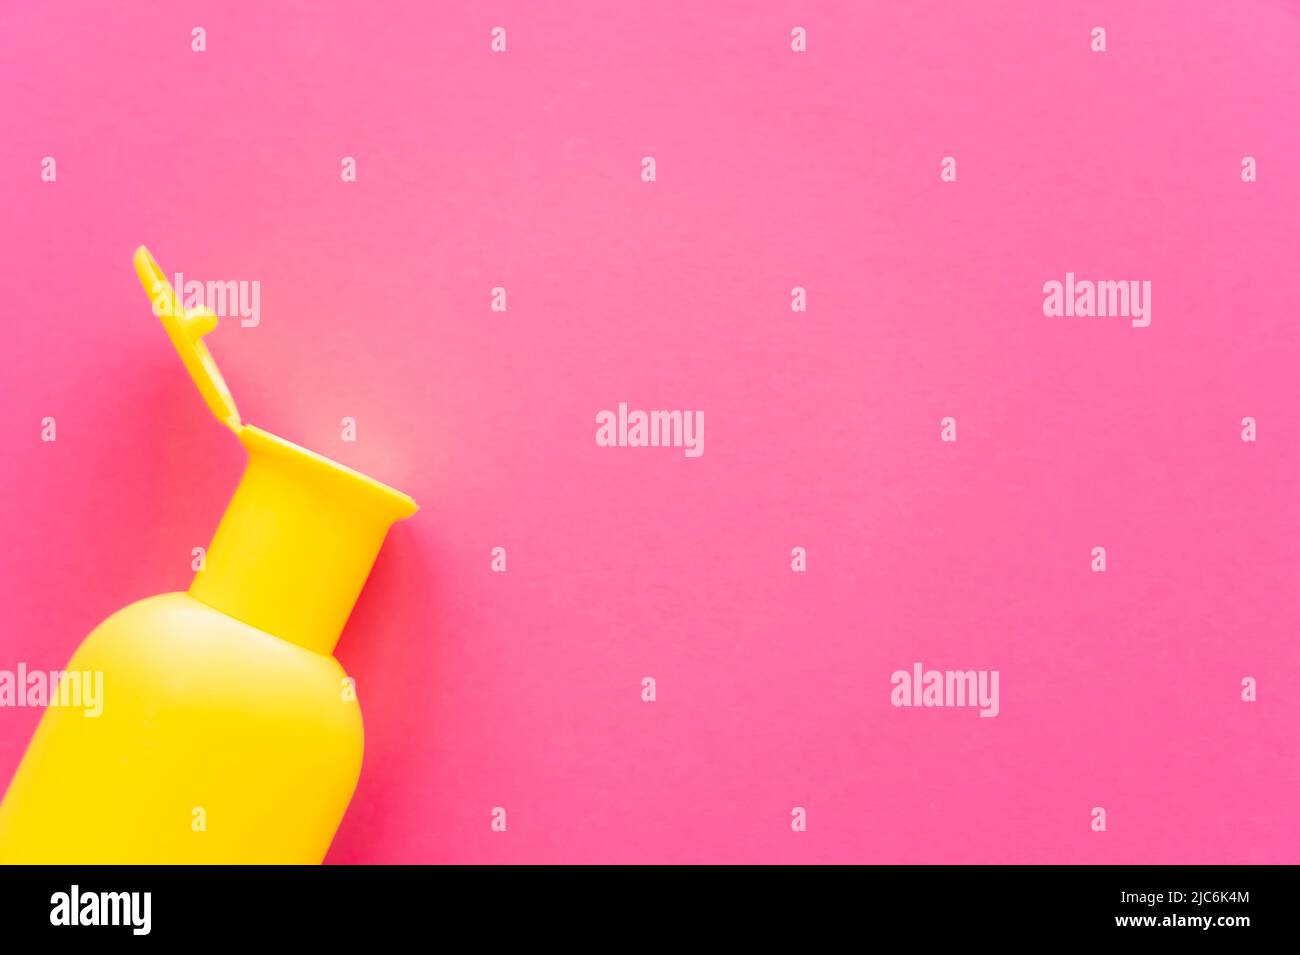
pixel 296 543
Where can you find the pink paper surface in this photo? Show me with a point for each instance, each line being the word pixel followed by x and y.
pixel 775 169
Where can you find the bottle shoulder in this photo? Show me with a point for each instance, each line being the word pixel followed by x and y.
pixel 186 623
pixel 176 647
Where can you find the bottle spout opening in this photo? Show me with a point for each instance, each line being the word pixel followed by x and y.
pixel 297 542
pixel 328 474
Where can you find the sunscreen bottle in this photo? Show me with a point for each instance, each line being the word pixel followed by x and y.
pixel 227 732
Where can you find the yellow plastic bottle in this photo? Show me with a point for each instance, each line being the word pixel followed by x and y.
pixel 228 731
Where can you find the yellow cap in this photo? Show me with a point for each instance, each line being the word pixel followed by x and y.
pixel 302 532
pixel 186 329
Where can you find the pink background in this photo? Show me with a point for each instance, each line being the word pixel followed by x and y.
pixel 775 169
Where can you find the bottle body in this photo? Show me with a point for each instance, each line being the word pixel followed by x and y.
pixel 216 742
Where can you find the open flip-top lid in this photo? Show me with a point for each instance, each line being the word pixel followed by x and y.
pixel 186 329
